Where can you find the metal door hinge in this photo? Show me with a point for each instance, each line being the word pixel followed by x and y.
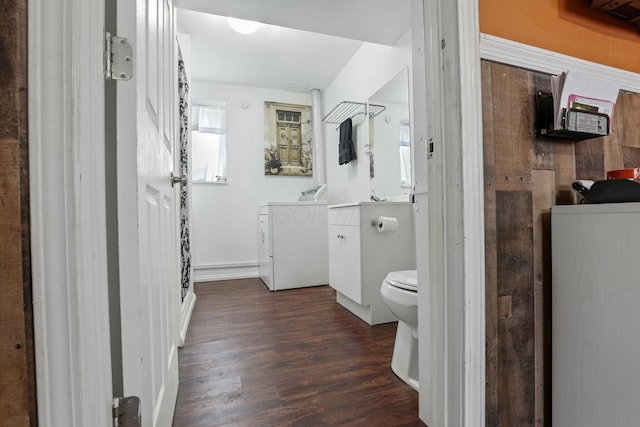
pixel 126 412
pixel 118 58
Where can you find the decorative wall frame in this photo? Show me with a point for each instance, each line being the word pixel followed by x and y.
pixel 288 145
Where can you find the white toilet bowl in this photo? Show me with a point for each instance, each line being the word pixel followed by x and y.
pixel 400 292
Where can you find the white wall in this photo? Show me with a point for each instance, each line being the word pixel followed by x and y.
pixel 224 216
pixel 369 69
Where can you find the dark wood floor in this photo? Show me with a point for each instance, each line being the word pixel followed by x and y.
pixel 287 358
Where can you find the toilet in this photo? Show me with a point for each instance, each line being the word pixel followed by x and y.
pixel 400 292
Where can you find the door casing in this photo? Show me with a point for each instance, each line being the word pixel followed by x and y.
pixel 68 214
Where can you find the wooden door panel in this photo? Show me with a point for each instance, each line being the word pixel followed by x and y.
pixel 283 144
pixel 294 151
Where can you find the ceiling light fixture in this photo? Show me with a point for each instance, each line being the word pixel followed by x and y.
pixel 243 26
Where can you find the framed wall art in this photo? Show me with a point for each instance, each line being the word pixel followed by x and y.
pixel 288 147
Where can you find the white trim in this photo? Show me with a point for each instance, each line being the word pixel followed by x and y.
pixel 225 271
pixel 68 231
pixel 241 264
pixel 452 365
pixel 426 127
pixel 509 52
pixel 186 311
pixel 472 238
pixel 217 277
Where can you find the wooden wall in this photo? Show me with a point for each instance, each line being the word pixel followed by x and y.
pixel 524 176
pixel 17 378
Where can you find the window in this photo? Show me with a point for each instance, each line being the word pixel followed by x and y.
pixel 405 154
pixel 209 143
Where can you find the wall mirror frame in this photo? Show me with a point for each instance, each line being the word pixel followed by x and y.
pixel 390 141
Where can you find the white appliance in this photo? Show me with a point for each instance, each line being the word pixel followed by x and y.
pixel 595 315
pixel 293 249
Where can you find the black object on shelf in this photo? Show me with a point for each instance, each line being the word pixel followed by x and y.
pixel 576 124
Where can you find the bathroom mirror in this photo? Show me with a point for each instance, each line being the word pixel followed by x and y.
pixel 390 140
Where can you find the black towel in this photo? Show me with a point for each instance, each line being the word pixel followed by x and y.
pixel 346 150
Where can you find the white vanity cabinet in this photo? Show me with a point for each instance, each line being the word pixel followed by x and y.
pixel 595 315
pixel 292 245
pixel 360 257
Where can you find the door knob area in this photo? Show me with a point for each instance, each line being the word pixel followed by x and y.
pixel 182 179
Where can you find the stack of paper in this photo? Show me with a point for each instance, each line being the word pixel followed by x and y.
pixel 572 90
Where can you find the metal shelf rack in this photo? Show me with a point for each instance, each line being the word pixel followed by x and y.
pixel 349 109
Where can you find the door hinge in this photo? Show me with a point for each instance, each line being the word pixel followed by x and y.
pixel 118 58
pixel 126 412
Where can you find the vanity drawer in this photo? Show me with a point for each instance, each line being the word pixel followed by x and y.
pixel 345 216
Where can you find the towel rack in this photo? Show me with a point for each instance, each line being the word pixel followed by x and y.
pixel 349 109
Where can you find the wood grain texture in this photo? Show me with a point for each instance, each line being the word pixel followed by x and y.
pixel 613 144
pixel 565 172
pixel 590 159
pixel 17 382
pixel 517 232
pixel 516 364
pixel 513 127
pixel 505 308
pixel 491 281
pixel 510 357
pixel 631 157
pixel 544 184
pixel 625 119
pixel 288 358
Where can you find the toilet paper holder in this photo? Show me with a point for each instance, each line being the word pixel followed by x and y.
pixel 385 224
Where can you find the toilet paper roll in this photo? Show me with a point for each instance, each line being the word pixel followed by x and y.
pixel 387 224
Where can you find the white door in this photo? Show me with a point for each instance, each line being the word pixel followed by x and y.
pixel 149 280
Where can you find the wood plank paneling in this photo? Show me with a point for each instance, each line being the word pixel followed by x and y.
pixel 517 232
pixel 590 159
pixel 631 158
pixel 625 119
pixel 491 281
pixel 287 358
pixel 565 172
pixel 17 382
pixel 512 127
pixel 516 368
pixel 544 184
pixel 613 147
pixel 13 382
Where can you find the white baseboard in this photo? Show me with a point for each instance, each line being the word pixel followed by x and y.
pixel 187 308
pixel 215 272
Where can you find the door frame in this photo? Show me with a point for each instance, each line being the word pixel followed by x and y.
pixel 450 230
pixel 68 220
pixel 66 122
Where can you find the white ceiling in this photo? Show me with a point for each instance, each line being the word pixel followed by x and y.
pixel 327 34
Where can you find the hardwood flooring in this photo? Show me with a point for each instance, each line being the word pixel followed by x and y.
pixel 286 358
